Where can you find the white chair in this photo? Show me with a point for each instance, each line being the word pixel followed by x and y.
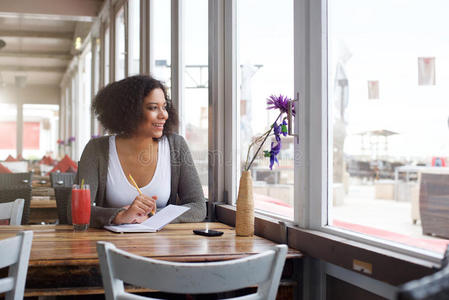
pixel 15 253
pixel 118 266
pixel 12 211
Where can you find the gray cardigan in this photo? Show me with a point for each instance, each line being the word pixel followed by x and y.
pixel 186 188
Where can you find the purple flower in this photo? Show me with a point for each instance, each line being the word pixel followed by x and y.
pixel 273 154
pixel 280 103
pixel 95 136
pixel 71 139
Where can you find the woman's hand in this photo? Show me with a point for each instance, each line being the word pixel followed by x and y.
pixel 138 211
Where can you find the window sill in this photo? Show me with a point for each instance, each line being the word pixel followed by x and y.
pixel 337 250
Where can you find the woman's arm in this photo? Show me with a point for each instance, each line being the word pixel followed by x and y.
pixel 89 170
pixel 190 191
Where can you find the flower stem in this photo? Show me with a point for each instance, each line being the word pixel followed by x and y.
pixel 263 142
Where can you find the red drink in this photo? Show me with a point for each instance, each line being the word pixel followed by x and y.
pixel 80 207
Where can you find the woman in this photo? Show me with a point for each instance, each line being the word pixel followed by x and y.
pixel 141 119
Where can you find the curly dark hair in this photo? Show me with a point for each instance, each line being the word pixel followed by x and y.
pixel 119 105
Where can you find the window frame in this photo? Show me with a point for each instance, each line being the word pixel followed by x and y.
pixel 312 161
pixel 316 134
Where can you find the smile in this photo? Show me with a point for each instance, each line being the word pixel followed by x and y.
pixel 160 125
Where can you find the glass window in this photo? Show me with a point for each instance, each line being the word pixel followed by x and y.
pixel 96 69
pixel 194 112
pixel 381 149
pixel 106 55
pixel 265 68
pixel 84 103
pixel 40 130
pixel 120 53
pixel 133 37
pixel 161 41
pixel 96 66
pixel 8 130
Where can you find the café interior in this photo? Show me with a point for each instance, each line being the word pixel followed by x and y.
pixel 319 139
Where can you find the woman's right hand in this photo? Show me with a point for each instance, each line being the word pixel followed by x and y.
pixel 138 211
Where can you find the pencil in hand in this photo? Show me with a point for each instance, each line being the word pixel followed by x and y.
pixel 140 193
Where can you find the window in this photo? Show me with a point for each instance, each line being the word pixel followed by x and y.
pixel 264 68
pixel 83 131
pixel 106 55
pixel 8 130
pixel 426 70
pixel 133 37
pixel 40 130
pixel 373 88
pixel 96 128
pixel 120 52
pixel 379 149
pixel 195 99
pixel 160 44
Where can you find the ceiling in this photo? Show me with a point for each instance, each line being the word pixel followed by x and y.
pixel 39 37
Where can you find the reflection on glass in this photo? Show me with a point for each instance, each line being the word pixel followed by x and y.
pixel 120 44
pixel 160 41
pixel 8 129
pixel 388 115
pixel 106 55
pixel 194 112
pixel 265 59
pixel 133 37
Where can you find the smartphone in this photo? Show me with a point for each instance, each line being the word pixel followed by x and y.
pixel 207 232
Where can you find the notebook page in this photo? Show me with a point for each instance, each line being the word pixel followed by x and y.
pixel 165 216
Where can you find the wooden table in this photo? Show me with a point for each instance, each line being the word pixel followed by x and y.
pixel 64 262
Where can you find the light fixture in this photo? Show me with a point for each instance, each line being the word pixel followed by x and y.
pixel 78 43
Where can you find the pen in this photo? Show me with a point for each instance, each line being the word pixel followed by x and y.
pixel 140 192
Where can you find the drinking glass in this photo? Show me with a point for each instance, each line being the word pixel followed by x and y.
pixel 80 207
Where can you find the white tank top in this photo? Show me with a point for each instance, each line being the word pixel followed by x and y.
pixel 120 192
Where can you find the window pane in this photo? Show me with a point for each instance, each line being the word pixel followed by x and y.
pixel 96 67
pixel 40 130
pixel 120 44
pixel 133 37
pixel 194 112
pixel 161 41
pixel 386 138
pixel 106 55
pixel 8 129
pixel 83 104
pixel 265 59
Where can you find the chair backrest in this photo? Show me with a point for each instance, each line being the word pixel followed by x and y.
pixel 16 186
pixel 12 211
pixel 432 287
pixel 62 184
pixel 118 266
pixel 62 179
pixel 15 254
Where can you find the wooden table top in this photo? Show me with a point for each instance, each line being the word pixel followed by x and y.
pixel 59 245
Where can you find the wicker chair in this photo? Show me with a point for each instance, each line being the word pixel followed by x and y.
pixel 62 184
pixel 14 186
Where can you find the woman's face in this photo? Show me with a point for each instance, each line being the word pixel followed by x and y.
pixel 154 114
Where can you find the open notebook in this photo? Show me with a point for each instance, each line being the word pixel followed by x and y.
pixel 153 224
